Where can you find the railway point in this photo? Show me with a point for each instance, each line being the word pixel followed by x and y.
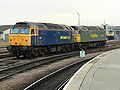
pixel 101 73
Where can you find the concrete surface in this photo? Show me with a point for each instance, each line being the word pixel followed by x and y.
pixel 101 73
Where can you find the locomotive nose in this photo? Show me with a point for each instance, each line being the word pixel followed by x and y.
pixel 19 40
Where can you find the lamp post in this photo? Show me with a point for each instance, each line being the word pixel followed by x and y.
pixel 78 19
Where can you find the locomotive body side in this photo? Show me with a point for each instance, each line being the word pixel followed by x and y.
pixel 90 36
pixel 53 37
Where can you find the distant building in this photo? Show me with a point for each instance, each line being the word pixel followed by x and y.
pixel 116 29
pixel 4 31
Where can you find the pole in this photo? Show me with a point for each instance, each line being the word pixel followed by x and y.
pixel 78 19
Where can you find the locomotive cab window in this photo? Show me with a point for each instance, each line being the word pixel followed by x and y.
pixel 33 31
pixel 19 30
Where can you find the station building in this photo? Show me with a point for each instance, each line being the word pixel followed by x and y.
pixel 4 32
pixel 116 29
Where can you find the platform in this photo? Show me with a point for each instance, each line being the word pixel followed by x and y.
pixel 101 73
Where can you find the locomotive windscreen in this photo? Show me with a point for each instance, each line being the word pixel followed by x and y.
pixel 20 31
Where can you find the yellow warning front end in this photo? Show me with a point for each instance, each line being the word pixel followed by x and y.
pixel 19 40
pixel 77 38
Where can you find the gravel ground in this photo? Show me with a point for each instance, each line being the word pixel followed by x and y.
pixel 20 81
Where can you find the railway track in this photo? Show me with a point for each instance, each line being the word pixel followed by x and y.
pixel 4 53
pixel 62 85
pixel 7 72
pixel 51 81
pixel 8 61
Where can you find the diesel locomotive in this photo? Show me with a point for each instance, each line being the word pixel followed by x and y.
pixel 35 39
pixel 110 35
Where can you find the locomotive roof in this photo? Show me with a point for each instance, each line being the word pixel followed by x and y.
pixel 94 28
pixel 44 25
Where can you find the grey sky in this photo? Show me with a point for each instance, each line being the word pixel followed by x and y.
pixel 92 12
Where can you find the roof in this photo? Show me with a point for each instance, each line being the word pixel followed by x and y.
pixel 115 28
pixel 94 28
pixel 4 27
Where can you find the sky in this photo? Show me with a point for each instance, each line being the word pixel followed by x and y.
pixel 92 12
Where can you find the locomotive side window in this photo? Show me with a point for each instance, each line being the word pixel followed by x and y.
pixel 32 31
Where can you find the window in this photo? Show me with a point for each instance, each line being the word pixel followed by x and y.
pixel 15 31
pixel 19 31
pixel 32 31
pixel 24 31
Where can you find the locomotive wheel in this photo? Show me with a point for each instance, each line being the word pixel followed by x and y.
pixel 35 52
pixel 45 51
pixel 63 49
pixel 67 47
pixel 41 52
pixel 17 55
